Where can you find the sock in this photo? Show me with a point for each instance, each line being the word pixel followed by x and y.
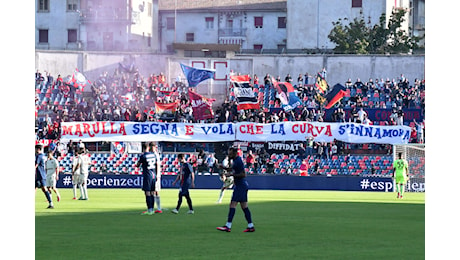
pixel 85 192
pixel 74 188
pixel 157 201
pixel 247 215
pixel 48 197
pixel 81 191
pixel 149 201
pixel 189 202
pixel 402 189
pixel 231 214
pixel 152 203
pixel 229 224
pixel 179 202
pixel 221 194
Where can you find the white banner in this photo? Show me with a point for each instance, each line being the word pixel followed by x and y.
pixel 242 131
pixel 322 132
pixel 147 131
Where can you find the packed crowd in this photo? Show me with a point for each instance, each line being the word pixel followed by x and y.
pixel 129 96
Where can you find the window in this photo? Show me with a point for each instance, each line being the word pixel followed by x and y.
pixel 281 22
pixel 43 36
pixel 209 22
pixel 170 24
pixel 72 5
pixel 43 6
pixel 258 21
pixel 71 35
pixel 257 48
pixel 190 37
pixel 356 3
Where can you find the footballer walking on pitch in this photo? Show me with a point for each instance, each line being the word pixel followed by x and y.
pixel 52 174
pixel 150 163
pixel 40 174
pixel 240 192
pixel 81 172
pixel 400 174
pixel 187 179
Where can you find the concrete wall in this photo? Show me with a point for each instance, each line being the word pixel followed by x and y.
pixel 339 67
pixel 95 63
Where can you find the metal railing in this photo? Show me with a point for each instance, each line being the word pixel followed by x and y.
pixel 230 32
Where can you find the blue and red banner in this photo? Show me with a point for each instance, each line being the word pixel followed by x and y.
pixel 287 95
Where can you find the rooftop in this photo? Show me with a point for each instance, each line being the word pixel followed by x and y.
pixel 221 4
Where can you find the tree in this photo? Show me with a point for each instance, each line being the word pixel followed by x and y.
pixel 350 38
pixel 358 38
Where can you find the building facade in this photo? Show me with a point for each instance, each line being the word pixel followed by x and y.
pixel 97 25
pixel 254 26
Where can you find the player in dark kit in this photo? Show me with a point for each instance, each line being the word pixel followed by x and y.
pixel 240 191
pixel 150 162
pixel 187 179
pixel 40 173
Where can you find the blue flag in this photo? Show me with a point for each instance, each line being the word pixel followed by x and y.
pixel 195 76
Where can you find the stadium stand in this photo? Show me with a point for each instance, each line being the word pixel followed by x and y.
pixel 127 96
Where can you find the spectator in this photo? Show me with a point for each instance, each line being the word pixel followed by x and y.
pixel 288 78
pixel 304 168
pixel 250 160
pixel 361 115
pixel 211 161
pixel 334 149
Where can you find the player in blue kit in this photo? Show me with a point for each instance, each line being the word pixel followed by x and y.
pixel 240 191
pixel 187 179
pixel 40 173
pixel 150 163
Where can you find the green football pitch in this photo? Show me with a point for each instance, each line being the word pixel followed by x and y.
pixel 289 225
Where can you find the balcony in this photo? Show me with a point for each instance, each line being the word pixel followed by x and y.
pixel 232 32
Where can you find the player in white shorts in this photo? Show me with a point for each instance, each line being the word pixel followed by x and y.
pixel 52 174
pixel 82 166
pixel 75 177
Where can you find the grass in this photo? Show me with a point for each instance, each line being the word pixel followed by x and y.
pixel 289 225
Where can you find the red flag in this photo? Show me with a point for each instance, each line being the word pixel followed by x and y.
pixel 336 94
pixel 244 93
pixel 202 106
pixel 166 108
